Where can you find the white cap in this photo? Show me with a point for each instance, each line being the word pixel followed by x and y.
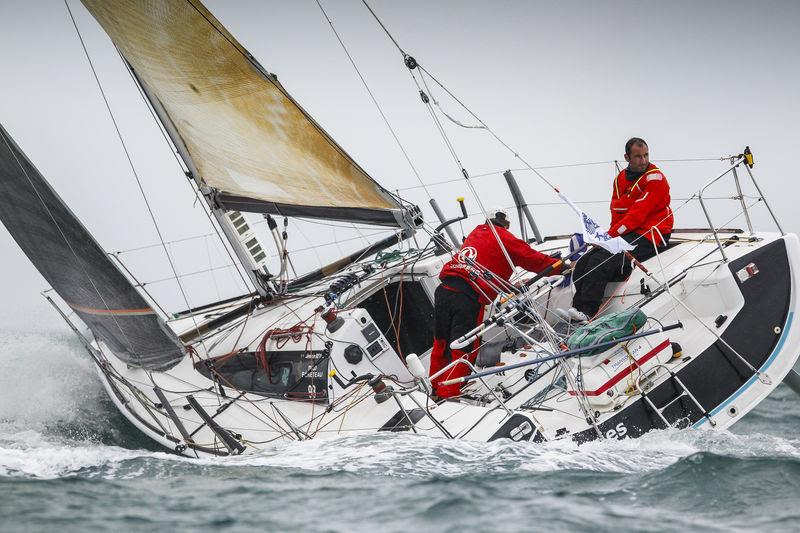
pixel 499 215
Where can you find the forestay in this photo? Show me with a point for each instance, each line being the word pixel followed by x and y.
pixel 75 265
pixel 246 136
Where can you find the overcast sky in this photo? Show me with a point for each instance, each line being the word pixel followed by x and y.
pixel 561 82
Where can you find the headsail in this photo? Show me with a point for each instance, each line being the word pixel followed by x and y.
pixel 246 136
pixel 76 266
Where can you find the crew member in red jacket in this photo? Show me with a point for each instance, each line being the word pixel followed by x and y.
pixel 640 214
pixel 460 298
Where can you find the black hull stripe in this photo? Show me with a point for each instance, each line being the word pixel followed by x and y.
pixel 786 327
pixel 717 377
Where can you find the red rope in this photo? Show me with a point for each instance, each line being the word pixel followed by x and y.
pixel 294 333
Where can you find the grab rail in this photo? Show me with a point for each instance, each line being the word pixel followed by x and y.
pixel 735 161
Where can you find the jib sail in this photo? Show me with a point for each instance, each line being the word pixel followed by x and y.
pixel 75 265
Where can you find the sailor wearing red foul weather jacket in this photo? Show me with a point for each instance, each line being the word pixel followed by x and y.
pixel 639 202
pixel 464 291
pixel 640 214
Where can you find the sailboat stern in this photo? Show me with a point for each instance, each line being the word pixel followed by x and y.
pixel 745 358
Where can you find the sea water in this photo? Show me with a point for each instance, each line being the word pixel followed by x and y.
pixel 70 462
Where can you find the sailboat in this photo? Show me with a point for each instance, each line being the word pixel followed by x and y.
pixel 344 349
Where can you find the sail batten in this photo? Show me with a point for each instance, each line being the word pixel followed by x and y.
pixel 245 135
pixel 75 265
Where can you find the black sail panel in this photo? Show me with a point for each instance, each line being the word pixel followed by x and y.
pixel 75 265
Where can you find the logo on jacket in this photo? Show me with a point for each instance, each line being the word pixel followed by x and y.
pixel 467 253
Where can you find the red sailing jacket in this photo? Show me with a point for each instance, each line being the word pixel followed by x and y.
pixel 640 205
pixel 481 246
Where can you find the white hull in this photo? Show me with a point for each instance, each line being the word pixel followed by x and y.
pixel 720 388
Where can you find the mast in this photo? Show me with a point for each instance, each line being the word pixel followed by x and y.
pixel 242 239
pixel 522 208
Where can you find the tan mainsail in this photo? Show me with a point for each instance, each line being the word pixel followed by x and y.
pixel 245 135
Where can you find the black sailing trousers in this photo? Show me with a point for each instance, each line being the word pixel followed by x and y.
pixel 457 310
pixel 598 267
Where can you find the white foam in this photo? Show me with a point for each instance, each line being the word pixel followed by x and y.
pixel 47 381
pixel 410 455
pixel 54 461
pixel 30 453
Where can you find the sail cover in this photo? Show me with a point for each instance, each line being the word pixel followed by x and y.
pixel 243 132
pixel 75 265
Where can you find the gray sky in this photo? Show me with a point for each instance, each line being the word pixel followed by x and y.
pixel 561 82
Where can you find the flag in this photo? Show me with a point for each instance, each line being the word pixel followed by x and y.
pixel 594 234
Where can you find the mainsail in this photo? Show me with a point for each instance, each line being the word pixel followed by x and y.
pixel 247 138
pixel 75 265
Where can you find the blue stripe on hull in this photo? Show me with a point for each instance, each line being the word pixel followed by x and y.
pixel 753 379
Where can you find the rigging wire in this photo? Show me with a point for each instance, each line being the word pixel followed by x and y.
pixel 158 244
pixel 550 167
pixel 185 275
pixel 409 61
pixel 130 162
pixel 138 284
pixel 412 64
pixel 491 131
pixel 206 235
pixel 374 100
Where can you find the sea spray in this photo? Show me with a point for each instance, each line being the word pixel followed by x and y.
pixel 70 461
pixel 45 379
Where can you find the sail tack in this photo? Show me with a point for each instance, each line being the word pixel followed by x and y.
pixel 243 132
pixel 75 265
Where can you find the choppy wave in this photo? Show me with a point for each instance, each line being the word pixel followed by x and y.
pixel 69 460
